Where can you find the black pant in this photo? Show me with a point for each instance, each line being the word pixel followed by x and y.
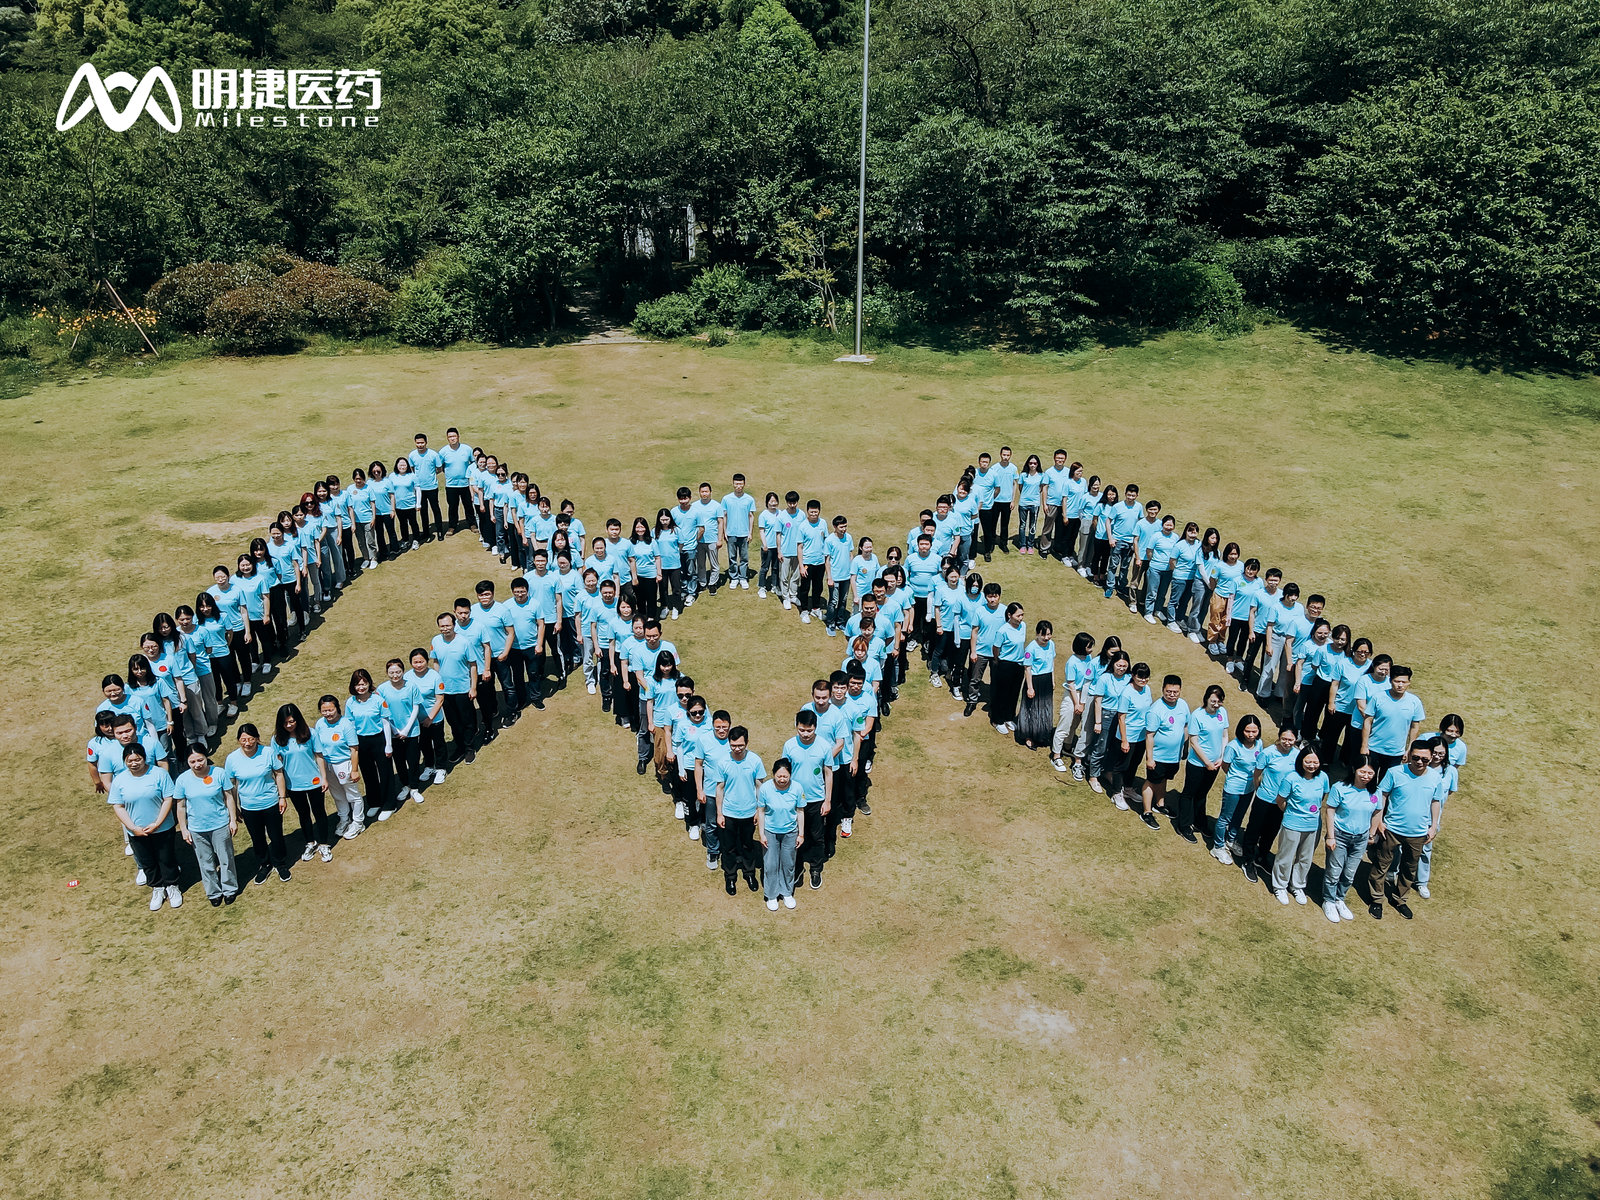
pixel 375 770
pixel 1265 819
pixel 1189 806
pixel 460 499
pixel 510 694
pixel 243 656
pixel 486 524
pixel 488 703
pixel 428 502
pixel 278 614
pixel 463 719
pixel 407 750
pixel 388 540
pixel 1238 636
pixel 1067 547
pixel 571 647
pixel 1002 512
pixel 1309 706
pixel 1251 649
pixel 647 596
pixel 312 808
pixel 228 676
pixel 347 547
pixel 266 836
pixel 987 519
pixel 430 744
pixel 410 529
pixel 810 597
pixel 529 670
pixel 1100 555
pixel 157 856
pixel 1335 725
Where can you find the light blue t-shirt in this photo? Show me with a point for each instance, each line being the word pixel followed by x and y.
pixel 1058 484
pixel 737 510
pixel 402 704
pixel 840 551
pixel 1167 725
pixel 457 462
pixel 810 765
pixel 1039 660
pixel 141 796
pixel 1211 731
pixel 1275 770
pixel 1302 797
pixel 336 742
pixel 1409 800
pixel 1391 719
pixel 1185 559
pixel 203 805
pixel 1226 576
pixel 1009 642
pixel 771 525
pixel 457 658
pixel 1352 808
pixel 298 762
pixel 986 487
pixel 404 488
pixel 922 574
pixel 810 537
pixel 1134 705
pixel 1125 519
pixel 739 780
pixel 778 807
pixel 1005 481
pixel 987 623
pixel 1241 761
pixel 707 514
pixel 1032 485
pixel 425 468
pixel 251 774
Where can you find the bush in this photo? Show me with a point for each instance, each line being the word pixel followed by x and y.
pixel 674 315
pixel 328 299
pixel 723 294
pixel 1187 295
pixel 717 336
pixel 436 308
pixel 276 259
pixel 773 306
pixel 1270 270
pixel 373 271
pixel 252 320
pixel 184 297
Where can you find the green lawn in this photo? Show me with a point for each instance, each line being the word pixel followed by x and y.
pixel 531 986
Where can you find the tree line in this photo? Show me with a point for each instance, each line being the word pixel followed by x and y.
pixel 1046 172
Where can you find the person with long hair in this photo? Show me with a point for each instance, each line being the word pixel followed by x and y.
pixel 256 583
pixel 363 515
pixel 1227 577
pixel 1241 759
pixel 662 712
pixel 367 714
pixel 1098 522
pixel 141 798
pixel 295 756
pixel 177 658
pixel 1276 765
pixel 207 821
pixel 213 634
pixel 1300 800
pixel 1030 485
pixel 1072 726
pixel 644 568
pixel 1350 820
pixel 1349 680
pixel 1133 737
pixel 1105 694
pixel 205 646
pixel 227 591
pixel 1036 716
pixel 160 696
pixel 407 502
pixel 259 796
pixel 1010 644
pixel 1197 623
pixel 430 719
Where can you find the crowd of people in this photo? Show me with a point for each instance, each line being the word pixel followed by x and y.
pixel 1347 766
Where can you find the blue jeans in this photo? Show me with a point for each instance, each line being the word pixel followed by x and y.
pixel 769 569
pixel 1184 594
pixel 1155 590
pixel 966 547
pixel 1346 855
pixel 691 580
pixel 739 558
pixel 710 835
pixel 1028 525
pixel 838 611
pixel 1235 806
pixel 1117 569
pixel 1103 753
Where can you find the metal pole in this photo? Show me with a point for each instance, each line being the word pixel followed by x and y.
pixel 861 205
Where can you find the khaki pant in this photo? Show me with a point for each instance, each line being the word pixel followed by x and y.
pixel 1384 848
pixel 1217 620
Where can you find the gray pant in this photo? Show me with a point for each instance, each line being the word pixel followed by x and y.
pixel 1274 668
pixel 789 577
pixel 1293 863
pixel 210 700
pixel 777 865
pixel 218 872
pixel 739 558
pixel 706 571
pixel 1340 873
pixel 195 726
pixel 1071 721
pixel 367 541
pixel 591 666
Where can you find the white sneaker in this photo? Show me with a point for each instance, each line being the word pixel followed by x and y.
pixel 326 852
pixel 712 864
pixel 438 774
pixel 593 689
pixel 1094 786
pixel 353 830
pixel 676 613
pixel 1344 911
pixel 1150 617
pixel 157 895
pixel 1231 668
pixel 1422 890
pixel 805 617
pixel 244 689
pixel 414 545
pixel 845 827
pixel 1283 896
pixel 694 833
pixel 679 810
pixel 309 852
pixel 386 814
pixel 1222 856
pixel 762 593
pixel 233 710
pixel 1331 911
pixel 174 896
pixel 1299 896
pixel 772 905
pixel 416 796
pixel 786 605
pixel 1174 626
pixel 140 880
pixel 127 850
pixel 1195 638
pixel 688 601
pixel 788 901
pixel 1121 801
pixel 1059 766
pixel 1084 571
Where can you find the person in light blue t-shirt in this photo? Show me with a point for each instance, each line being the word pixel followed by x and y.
pixel 738 512
pixel 456 460
pixel 778 830
pixel 207 820
pixel 1413 799
pixel 1300 798
pixel 739 775
pixel 1349 819
pixel 1030 494
pixel 141 797
pixel 426 465
pixel 1036 714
